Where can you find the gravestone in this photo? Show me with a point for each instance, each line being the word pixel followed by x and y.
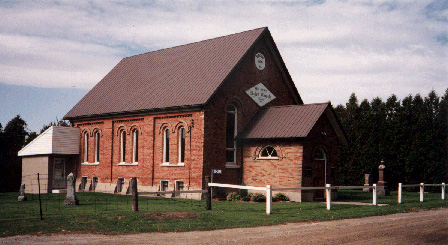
pixel 367 182
pixel 382 189
pixel 71 198
pixel 22 196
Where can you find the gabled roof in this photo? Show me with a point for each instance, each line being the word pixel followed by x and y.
pixel 178 77
pixel 292 121
pixel 54 140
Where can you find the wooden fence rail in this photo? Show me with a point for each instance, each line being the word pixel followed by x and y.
pixel 422 190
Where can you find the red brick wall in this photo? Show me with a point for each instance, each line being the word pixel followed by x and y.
pixel 284 172
pixel 233 90
pixel 150 129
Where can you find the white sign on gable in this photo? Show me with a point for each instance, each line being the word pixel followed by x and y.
pixel 260 94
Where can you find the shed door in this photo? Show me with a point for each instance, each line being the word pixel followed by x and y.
pixel 59 173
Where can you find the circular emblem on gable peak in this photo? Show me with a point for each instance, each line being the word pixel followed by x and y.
pixel 260 61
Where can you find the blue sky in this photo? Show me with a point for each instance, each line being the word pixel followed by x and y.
pixel 53 52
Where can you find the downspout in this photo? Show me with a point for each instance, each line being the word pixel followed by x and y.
pixel 190 128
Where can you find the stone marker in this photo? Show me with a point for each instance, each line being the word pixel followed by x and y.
pixel 382 189
pixel 22 196
pixel 367 182
pixel 71 198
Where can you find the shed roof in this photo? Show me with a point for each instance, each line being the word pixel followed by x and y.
pixel 292 121
pixel 186 75
pixel 54 140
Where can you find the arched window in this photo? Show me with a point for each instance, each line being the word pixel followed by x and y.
pixel 166 145
pixel 268 152
pixel 97 146
pixel 86 147
pixel 135 147
pixel 181 144
pixel 123 146
pixel 231 130
pixel 319 154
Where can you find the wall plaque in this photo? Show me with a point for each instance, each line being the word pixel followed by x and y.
pixel 260 94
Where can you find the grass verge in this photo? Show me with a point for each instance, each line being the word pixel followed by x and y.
pixel 111 214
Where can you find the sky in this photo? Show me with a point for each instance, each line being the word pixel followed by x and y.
pixel 53 52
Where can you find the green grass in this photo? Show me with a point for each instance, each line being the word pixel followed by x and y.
pixel 111 214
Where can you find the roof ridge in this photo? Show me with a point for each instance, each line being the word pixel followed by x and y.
pixel 279 106
pixel 182 45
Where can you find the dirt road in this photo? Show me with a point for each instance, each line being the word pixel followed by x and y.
pixel 424 227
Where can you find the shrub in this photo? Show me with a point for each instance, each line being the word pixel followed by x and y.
pixel 245 198
pixel 233 196
pixel 243 193
pixel 280 197
pixel 220 193
pixel 258 197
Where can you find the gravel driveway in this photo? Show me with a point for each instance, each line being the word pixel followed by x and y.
pixel 423 227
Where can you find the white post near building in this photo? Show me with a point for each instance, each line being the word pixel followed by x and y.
pixel 268 199
pixel 328 192
pixel 374 194
pixel 422 188
pixel 400 188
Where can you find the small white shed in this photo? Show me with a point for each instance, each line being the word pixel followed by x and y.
pixel 53 154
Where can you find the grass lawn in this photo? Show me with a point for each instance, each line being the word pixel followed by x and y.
pixel 111 214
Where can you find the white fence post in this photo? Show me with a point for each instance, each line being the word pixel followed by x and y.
pixel 443 191
pixel 422 187
pixel 400 187
pixel 268 199
pixel 374 194
pixel 328 192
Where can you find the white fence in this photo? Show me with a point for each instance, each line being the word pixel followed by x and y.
pixel 422 190
pixel 269 190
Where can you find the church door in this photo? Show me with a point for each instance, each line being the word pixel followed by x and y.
pixel 318 178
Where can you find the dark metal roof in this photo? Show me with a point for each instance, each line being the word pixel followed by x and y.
pixel 292 121
pixel 186 75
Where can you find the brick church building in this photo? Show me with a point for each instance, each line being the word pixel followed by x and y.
pixel 170 117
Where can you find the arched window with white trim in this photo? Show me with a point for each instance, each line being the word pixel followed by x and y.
pixel 86 147
pixel 123 146
pixel 97 147
pixel 135 146
pixel 181 145
pixel 268 152
pixel 231 131
pixel 166 145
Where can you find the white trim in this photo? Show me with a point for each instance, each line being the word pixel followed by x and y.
pixel 167 164
pixel 91 164
pixel 135 146
pixel 86 147
pixel 165 146
pixel 122 146
pixel 268 157
pixel 127 164
pixel 97 147
pixel 179 145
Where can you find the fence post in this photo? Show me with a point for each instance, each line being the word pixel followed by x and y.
pixel 400 187
pixel 422 188
pixel 443 191
pixel 328 192
pixel 208 195
pixel 134 194
pixel 374 194
pixel 268 199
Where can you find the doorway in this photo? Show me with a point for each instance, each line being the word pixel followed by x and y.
pixel 59 173
pixel 319 173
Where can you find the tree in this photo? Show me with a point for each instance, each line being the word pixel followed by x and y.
pixel 12 140
pixel 55 123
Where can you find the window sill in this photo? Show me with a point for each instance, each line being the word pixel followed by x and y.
pixel 181 164
pixel 91 164
pixel 268 158
pixel 128 164
pixel 231 165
